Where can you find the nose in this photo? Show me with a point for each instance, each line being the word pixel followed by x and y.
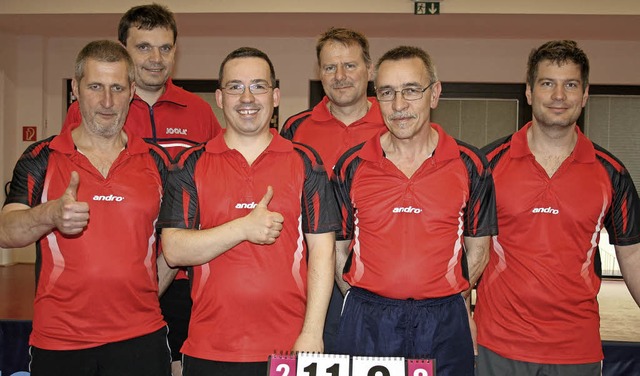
pixel 399 103
pixel 247 96
pixel 156 55
pixel 107 99
pixel 340 73
pixel 558 93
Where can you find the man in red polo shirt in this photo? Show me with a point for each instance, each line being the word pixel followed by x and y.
pixel 256 215
pixel 555 191
pixel 160 111
pixel 417 204
pixel 344 118
pixel 168 115
pixel 90 198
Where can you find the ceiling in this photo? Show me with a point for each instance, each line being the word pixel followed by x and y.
pixel 302 25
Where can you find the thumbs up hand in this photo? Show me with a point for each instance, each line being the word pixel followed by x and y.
pixel 264 226
pixel 71 216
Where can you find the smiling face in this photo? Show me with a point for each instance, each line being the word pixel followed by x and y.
pixel 247 113
pixel 405 119
pixel 344 73
pixel 104 93
pixel 558 94
pixel 153 53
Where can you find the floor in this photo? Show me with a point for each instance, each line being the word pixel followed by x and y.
pixel 620 315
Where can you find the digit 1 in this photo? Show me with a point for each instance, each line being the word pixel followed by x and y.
pixel 311 369
pixel 334 370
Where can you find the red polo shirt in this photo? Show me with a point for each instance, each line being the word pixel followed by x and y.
pixel 329 136
pixel 407 233
pixel 537 298
pixel 250 300
pixel 99 286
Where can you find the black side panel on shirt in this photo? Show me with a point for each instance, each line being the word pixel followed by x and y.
pixel 289 130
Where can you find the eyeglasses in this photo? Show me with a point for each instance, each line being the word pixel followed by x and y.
pixel 238 89
pixel 408 93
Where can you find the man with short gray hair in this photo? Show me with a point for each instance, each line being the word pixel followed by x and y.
pixel 79 196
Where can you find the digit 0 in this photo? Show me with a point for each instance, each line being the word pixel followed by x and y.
pixel 378 371
pixel 420 372
pixel 284 368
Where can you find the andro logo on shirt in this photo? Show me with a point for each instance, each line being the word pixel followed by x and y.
pixel 246 205
pixel 548 210
pixel 108 198
pixel 177 131
pixel 408 209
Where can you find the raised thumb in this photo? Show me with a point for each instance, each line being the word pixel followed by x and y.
pixel 267 197
pixel 72 188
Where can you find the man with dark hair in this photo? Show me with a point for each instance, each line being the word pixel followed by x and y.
pixel 170 116
pixel 555 190
pixel 160 111
pixel 417 206
pixel 344 118
pixel 78 195
pixel 257 216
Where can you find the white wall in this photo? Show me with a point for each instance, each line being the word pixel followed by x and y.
pixel 8 80
pixel 14 108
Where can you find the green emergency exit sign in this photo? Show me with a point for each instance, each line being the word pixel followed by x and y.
pixel 426 8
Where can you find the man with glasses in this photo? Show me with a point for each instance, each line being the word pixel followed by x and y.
pixel 344 118
pixel 418 205
pixel 238 208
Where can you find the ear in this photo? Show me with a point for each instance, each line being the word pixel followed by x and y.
pixel 436 90
pixel 527 93
pixel 370 72
pixel 219 99
pixel 74 87
pixel 276 97
pixel 585 96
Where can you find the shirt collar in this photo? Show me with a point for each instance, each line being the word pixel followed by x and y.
pixel 217 145
pixel 321 112
pixel 171 94
pixel 63 142
pixel 582 152
pixel 446 149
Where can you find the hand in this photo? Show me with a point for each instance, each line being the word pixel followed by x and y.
pixel 71 216
pixel 264 226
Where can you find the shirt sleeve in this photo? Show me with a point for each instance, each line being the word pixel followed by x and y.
pixel 480 214
pixel 319 207
pixel 622 220
pixel 27 183
pixel 342 179
pixel 180 201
